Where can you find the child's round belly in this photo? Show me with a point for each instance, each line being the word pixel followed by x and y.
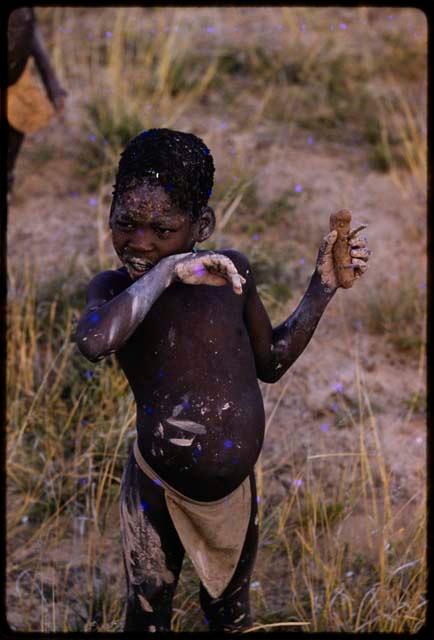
pixel 207 444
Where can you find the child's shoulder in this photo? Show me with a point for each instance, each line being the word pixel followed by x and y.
pixel 108 284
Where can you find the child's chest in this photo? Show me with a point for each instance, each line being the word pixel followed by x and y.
pixel 193 316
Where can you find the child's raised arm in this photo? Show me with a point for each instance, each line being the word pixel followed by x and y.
pixel 275 349
pixel 113 312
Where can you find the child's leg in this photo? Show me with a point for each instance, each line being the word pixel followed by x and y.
pixel 231 611
pixel 152 551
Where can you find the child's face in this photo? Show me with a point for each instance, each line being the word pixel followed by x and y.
pixel 146 227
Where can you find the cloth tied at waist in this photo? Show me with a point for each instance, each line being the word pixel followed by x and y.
pixel 212 533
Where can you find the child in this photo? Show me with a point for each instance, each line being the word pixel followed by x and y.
pixel 192 356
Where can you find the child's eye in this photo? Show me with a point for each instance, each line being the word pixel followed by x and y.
pixel 127 226
pixel 163 232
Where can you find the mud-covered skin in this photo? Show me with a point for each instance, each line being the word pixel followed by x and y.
pixel 153 555
pixel 193 352
pixel 201 370
pixel 196 356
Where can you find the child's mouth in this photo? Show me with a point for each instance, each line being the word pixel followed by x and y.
pixel 136 267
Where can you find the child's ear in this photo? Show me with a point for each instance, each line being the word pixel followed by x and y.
pixel 204 225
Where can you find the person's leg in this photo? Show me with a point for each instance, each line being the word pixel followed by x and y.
pixel 15 140
pixel 231 611
pixel 152 552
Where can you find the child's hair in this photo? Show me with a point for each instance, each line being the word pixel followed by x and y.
pixel 180 162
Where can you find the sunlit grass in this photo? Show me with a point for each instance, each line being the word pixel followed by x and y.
pixel 318 72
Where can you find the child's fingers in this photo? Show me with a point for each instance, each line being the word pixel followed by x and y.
pixel 359 242
pixel 237 283
pixel 328 242
pixel 225 268
pixel 362 252
pixel 359 264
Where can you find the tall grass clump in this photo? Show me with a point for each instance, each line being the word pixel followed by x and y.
pixel 68 428
pixel 336 551
pixel 135 78
pixel 396 310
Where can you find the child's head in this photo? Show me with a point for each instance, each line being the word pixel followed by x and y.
pixel 159 205
pixel 179 162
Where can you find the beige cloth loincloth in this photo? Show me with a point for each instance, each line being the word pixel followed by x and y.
pixel 212 533
pixel 28 107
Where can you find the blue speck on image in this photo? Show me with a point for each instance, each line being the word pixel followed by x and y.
pixel 342 25
pixel 210 29
pixel 108 34
pixel 158 482
pixel 228 444
pixel 255 236
pixel 160 374
pixel 94 317
pixel 148 410
pixel 298 188
pixel 199 270
pixel 301 261
pixel 144 506
pixel 338 387
pixel 92 137
pixel 324 426
pixel 309 139
pixel 92 202
pixel 88 374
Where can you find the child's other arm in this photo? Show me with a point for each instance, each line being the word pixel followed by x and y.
pixel 113 312
pixel 275 349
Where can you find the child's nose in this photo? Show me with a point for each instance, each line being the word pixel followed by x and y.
pixel 142 239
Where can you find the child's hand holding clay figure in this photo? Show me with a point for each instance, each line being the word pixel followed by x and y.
pixel 209 268
pixel 343 255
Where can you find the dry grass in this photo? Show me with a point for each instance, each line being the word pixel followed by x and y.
pixel 70 423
